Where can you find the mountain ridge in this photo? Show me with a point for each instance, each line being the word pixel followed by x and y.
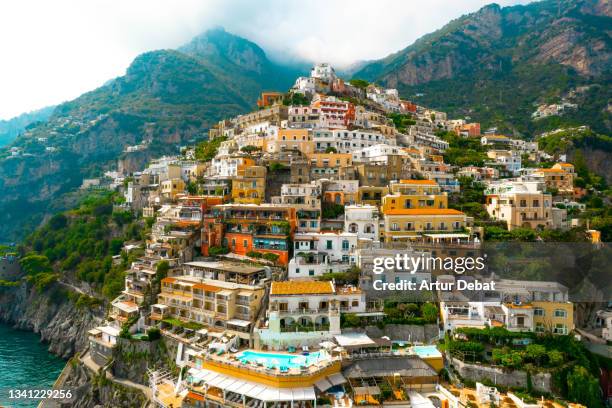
pixel 166 98
pixel 496 48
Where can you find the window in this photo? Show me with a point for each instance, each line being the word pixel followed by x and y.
pixel 560 328
pixel 523 203
pixel 297 270
pixel 536 203
pixel 329 244
pixel 539 327
pixel 345 245
pixel 538 311
pixel 560 313
pixel 233 243
pixel 311 272
pixel 245 243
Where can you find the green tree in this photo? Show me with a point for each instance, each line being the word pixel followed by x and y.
pixel 429 311
pixel 584 388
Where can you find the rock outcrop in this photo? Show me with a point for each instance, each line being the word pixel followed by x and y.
pixel 57 319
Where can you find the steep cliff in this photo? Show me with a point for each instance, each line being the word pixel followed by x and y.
pixel 495 64
pixel 51 314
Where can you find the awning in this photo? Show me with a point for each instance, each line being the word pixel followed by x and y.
pixel 354 340
pixel 239 322
pixel 323 385
pixel 160 306
pixel 336 379
pixel 110 330
pixel 127 307
pixel 459 236
pixel 253 389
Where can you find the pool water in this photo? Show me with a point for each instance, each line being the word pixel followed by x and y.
pixel 278 360
pixel 427 351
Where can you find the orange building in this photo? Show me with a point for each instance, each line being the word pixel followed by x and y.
pixel 269 99
pixel 247 228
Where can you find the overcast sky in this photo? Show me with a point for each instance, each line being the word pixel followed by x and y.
pixel 52 51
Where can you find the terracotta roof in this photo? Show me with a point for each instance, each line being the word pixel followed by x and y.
pixel 301 288
pixel 207 288
pixel 194 396
pixel 565 164
pixel 423 211
pixel 419 182
pixel 168 280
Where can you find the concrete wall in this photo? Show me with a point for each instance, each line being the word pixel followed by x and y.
pixel 506 378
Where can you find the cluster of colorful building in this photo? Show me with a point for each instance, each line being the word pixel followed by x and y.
pixel 293 194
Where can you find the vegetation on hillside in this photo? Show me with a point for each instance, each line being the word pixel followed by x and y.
pixel 79 245
pixel 206 150
pixel 574 369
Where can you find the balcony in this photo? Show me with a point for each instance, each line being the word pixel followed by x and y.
pixel 297 328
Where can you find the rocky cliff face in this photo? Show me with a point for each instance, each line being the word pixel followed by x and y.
pixel 566 32
pixel 495 64
pixel 58 321
pixel 95 390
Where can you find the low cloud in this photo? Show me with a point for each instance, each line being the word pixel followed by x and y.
pixel 55 50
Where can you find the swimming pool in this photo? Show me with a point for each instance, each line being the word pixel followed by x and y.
pixel 278 360
pixel 426 351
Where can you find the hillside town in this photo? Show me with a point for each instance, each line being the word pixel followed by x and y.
pixel 258 268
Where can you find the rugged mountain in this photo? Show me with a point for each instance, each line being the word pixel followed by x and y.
pixel 10 128
pixel 498 64
pixel 166 98
pixel 234 58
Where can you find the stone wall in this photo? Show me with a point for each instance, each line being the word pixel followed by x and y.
pixel 506 378
pixel 421 333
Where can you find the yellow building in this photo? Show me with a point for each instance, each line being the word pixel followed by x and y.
pixel 172 187
pixel 406 223
pixel 553 317
pixel 414 194
pixel 330 159
pixel 249 186
pixel 291 139
pixel 371 195
pixel 217 304
pixel 558 178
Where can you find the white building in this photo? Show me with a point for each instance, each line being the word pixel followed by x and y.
pixel 377 153
pixel 362 220
pixel 347 141
pixel 509 159
pixel 324 72
pixel 306 313
pixel 226 166
pixel 337 246
pixel 304 85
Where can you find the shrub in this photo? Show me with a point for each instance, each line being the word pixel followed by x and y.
pixel 270 257
pixel 154 334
